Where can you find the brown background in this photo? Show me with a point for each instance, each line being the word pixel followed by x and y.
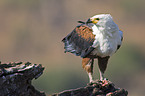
pixel 32 30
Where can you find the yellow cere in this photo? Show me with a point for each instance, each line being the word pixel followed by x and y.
pixel 95 20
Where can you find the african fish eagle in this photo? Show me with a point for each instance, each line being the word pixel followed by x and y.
pixel 99 38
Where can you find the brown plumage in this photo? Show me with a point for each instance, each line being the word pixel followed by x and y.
pixel 92 40
pixel 85 33
pixel 80 41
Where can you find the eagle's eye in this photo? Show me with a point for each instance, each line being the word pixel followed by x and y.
pixel 97 18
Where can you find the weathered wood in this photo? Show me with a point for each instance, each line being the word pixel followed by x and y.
pixel 15 79
pixel 99 88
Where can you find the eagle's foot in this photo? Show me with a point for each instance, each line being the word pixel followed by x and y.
pixel 107 83
pixel 102 83
pixel 92 82
pixel 104 79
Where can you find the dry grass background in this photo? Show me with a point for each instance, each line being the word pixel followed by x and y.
pixel 31 30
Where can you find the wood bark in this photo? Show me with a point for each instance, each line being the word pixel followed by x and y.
pixel 16 77
pixel 99 88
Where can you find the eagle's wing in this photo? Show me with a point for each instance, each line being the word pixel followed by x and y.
pixel 80 41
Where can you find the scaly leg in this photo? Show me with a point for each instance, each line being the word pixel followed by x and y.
pixel 102 62
pixel 87 64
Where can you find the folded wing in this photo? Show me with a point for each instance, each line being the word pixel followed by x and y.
pixel 80 41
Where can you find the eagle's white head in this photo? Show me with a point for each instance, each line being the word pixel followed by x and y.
pixel 104 22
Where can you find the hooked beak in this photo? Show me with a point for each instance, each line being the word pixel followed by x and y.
pixel 89 21
pixel 93 20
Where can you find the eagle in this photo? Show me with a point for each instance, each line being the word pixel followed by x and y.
pixel 97 38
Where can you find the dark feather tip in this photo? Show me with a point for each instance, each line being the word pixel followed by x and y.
pixel 81 22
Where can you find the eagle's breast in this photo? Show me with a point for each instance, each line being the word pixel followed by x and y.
pixel 105 44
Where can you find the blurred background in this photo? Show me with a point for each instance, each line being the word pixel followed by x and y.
pixel 32 30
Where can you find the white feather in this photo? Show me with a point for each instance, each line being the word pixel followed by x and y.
pixel 107 36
